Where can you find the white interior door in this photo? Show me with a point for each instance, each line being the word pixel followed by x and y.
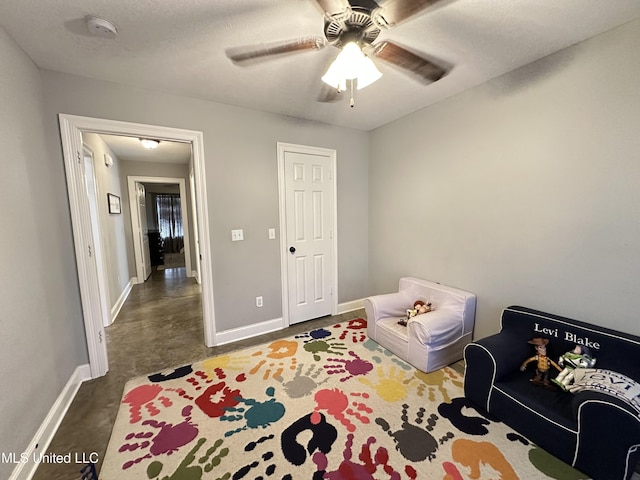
pixel 309 218
pixel 194 214
pixel 92 196
pixel 145 259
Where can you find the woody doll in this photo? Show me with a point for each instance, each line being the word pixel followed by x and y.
pixel 543 363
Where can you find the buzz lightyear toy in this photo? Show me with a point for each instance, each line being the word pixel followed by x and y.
pixel 579 357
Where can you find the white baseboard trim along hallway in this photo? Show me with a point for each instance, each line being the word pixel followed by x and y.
pixel 115 310
pixel 49 426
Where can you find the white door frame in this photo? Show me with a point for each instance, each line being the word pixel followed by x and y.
pixel 290 147
pixel 137 247
pixel 98 250
pixel 194 213
pixel 71 128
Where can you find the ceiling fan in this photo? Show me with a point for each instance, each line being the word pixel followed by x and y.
pixel 353 26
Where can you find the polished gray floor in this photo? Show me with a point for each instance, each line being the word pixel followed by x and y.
pixel 159 326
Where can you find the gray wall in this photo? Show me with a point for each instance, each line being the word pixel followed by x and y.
pixel 241 168
pixel 525 190
pixel 41 330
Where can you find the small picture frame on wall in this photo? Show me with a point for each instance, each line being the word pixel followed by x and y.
pixel 114 203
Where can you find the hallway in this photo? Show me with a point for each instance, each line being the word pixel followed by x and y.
pixel 159 327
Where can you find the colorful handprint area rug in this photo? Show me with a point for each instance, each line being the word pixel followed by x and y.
pixel 328 404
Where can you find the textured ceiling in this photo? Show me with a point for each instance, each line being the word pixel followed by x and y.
pixel 179 47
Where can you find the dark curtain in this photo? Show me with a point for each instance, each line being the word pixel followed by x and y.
pixel 169 211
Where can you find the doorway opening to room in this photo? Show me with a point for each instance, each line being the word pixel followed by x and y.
pixel 92 274
pixel 163 225
pixel 169 229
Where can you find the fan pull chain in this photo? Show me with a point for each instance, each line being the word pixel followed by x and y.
pixel 352 101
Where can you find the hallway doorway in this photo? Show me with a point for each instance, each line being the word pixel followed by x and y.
pixel 89 270
pixel 171 240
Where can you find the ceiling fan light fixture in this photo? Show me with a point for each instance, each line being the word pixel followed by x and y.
pixel 335 77
pixel 149 143
pixel 351 64
pixel 369 73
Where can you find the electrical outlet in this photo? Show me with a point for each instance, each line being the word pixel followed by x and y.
pixel 258 302
pixel 237 235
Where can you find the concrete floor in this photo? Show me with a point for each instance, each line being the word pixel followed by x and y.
pixel 159 326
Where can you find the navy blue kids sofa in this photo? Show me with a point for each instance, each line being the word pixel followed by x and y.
pixel 596 429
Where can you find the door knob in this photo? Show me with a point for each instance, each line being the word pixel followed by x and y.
pixel 292 249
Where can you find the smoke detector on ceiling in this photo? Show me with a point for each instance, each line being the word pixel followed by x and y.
pixel 100 27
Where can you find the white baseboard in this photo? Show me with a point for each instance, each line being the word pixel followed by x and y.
pixel 242 333
pixel 350 306
pixel 49 426
pixel 115 310
pixel 249 331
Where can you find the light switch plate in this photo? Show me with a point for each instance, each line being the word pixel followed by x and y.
pixel 237 235
pixel 272 234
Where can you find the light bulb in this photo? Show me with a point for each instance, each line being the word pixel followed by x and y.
pixel 351 64
pixel 149 143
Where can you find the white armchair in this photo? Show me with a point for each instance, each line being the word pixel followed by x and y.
pixel 431 340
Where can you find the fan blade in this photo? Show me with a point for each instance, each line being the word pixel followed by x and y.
pixel 333 6
pixel 392 12
pixel 403 58
pixel 244 54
